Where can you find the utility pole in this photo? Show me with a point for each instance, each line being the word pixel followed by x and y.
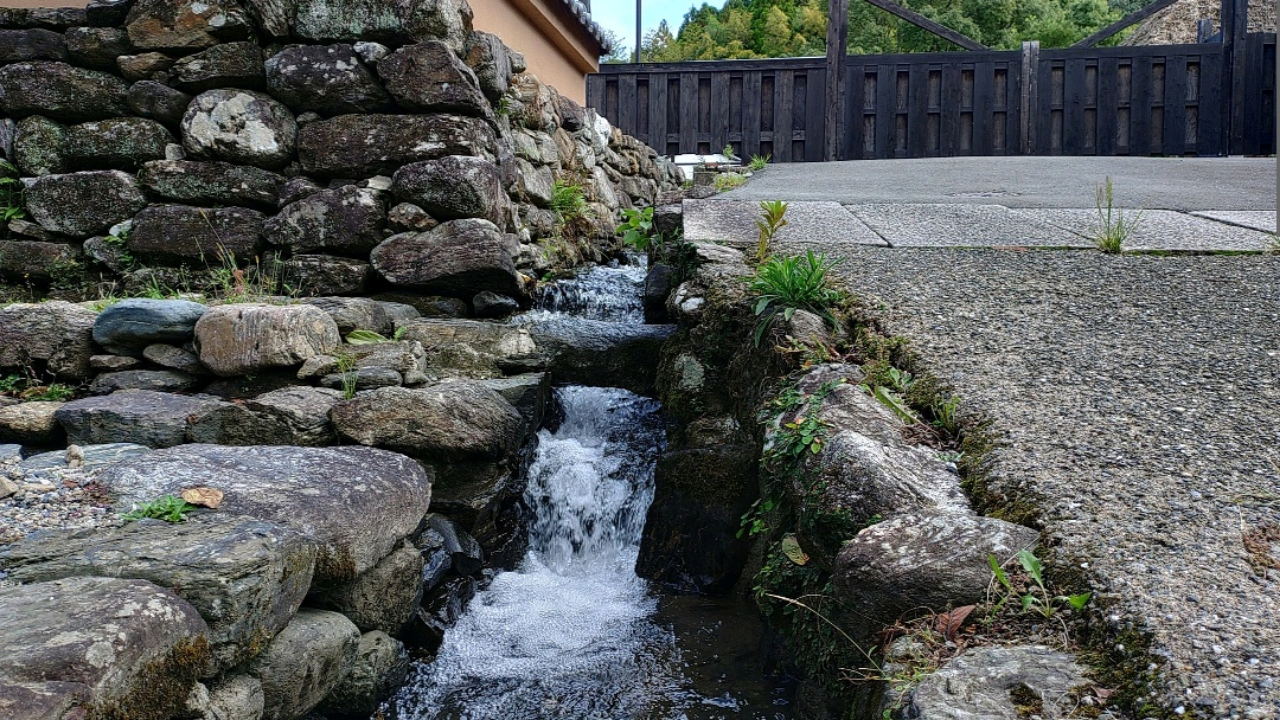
pixel 639 37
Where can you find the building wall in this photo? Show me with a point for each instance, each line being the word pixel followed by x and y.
pixel 559 51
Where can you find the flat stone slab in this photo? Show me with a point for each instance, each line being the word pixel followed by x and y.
pixel 919 225
pixel 1158 230
pixel 824 224
pixel 1262 220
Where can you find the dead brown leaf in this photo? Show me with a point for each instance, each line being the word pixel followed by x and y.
pixel 948 623
pixel 203 496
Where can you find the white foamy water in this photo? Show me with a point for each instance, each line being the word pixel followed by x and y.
pixel 606 292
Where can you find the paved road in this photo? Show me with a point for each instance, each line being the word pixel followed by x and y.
pixel 1138 396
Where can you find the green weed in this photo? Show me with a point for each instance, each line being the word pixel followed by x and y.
pixel 13 204
pixel 773 218
pixel 1114 226
pixel 637 230
pixel 569 202
pixel 1036 597
pixel 725 182
pixel 757 162
pixel 169 508
pixel 799 282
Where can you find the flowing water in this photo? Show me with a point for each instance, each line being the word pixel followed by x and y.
pixel 573 633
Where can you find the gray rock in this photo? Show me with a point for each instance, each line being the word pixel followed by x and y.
pixel 168 381
pixel 30 423
pixel 37 147
pixel 657 288
pixel 980 684
pixel 381 598
pixel 97 47
pixel 42 17
pixel 241 339
pixel 490 59
pixel 56 333
pixel 453 187
pixel 346 220
pixel 246 577
pixel 230 65
pixel 200 237
pixel 407 217
pixel 297 188
pixel 394 22
pixel 93 456
pixel 186 24
pixel 138 322
pixel 174 358
pixel 529 394
pixel 429 77
pixel 240 126
pixel 114 643
pixel 363 379
pixel 35 44
pixel 450 421
pixel 212 183
pixel 145 66
pixel 669 219
pixel 158 102
pixel 407 359
pixel 238 697
pixel 326 274
pixel 380 668
pixel 154 419
pixel 356 503
pixel 601 353
pixel 327 79
pixel 296 416
pixel 107 13
pixel 371 52
pixel 10 453
pixel 535 184
pixel 114 362
pixel 115 144
pixel 470 348
pixel 60 91
pixel 494 306
pixel 305 662
pixel 358 314
pixel 366 145
pixel 921 560
pixel 458 258
pixel 465 554
pixel 81 204
pixel 25 260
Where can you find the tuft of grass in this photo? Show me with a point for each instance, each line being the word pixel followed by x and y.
pixel 569 202
pixel 725 182
pixel 757 162
pixel 772 219
pixel 799 282
pixel 1115 227
pixel 169 508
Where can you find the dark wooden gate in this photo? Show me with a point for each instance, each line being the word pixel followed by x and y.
pixel 1212 98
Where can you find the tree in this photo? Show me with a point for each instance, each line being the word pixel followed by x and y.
pixel 616 51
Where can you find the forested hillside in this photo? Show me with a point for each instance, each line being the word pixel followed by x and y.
pixel 788 28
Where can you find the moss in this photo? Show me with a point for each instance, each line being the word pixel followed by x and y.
pixel 162 686
pixel 1026 702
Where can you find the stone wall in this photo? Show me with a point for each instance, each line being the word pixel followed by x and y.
pixel 351 147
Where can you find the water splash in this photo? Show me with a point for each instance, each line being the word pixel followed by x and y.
pixel 606 292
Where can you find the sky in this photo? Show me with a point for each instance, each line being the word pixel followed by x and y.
pixel 620 15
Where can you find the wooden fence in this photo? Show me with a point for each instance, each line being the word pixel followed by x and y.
pixel 1157 100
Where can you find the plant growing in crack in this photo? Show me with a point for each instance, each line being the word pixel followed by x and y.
pixel 799 282
pixel 1036 596
pixel 169 508
pixel 13 204
pixel 1115 225
pixel 773 218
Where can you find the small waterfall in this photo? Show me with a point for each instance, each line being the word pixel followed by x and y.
pixel 608 292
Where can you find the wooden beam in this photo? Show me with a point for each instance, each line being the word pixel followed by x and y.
pixel 837 38
pixel 1132 18
pixel 925 23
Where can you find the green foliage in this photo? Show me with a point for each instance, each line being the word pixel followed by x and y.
pixel 568 202
pixel 772 219
pixel 757 162
pixel 169 508
pixel 753 521
pixel 1036 596
pixel 29 387
pixel 724 182
pixel 1114 227
pixel 365 337
pixel 637 230
pixel 10 384
pixel 13 204
pixel 350 378
pixel 728 152
pixel 799 282
pixel 744 29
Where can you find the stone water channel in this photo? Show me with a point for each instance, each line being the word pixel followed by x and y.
pixel 572 631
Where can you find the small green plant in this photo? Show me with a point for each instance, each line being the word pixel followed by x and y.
pixel 946 414
pixel 169 508
pixel 13 204
pixel 1114 226
pixel 725 182
pixel 728 151
pixel 568 202
pixel 10 383
pixel 784 285
pixel 52 392
pixel 366 337
pixel 637 230
pixel 1037 597
pixel 753 520
pixel 350 378
pixel 772 219
pixel 757 162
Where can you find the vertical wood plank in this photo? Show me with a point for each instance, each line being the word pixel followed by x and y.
pixel 815 129
pixel 1174 141
pixel 784 104
pixel 886 110
pixel 983 103
pixel 1209 139
pixel 918 110
pixel 949 133
pixel 1140 100
pixel 595 92
pixel 837 39
pixel 719 126
pixel 627 104
pixel 1108 105
pixel 853 101
pixel 751 112
pixel 658 112
pixel 1073 140
pixel 688 112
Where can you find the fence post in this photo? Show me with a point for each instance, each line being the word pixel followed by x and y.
pixel 837 38
pixel 1029 90
pixel 1235 19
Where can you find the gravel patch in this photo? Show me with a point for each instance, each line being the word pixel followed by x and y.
pixel 1138 397
pixel 48 498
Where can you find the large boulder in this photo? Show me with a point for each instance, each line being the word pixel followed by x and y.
pixel 470 348
pixel 123 648
pixel 453 187
pixel 446 422
pixel 60 91
pixel 404 362
pixel 81 204
pixel 241 339
pixel 596 352
pixel 429 77
pixel 920 560
pixel 212 183
pixel 356 503
pixel 381 598
pixel 164 381
pixel 326 79
pixel 56 334
pixel 30 423
pixel 29 260
pixel 246 577
pixel 380 668
pixel 364 314
pixel 97 47
pixel 37 146
pixel 35 44
pixel 144 417
pixel 296 416
pixel 357 146
pixel 394 22
pixel 238 697
pixel 490 59
pixel 305 662
pixel 118 143
pixel 240 126
pixel 230 65
pixel 135 323
pixel 458 258
pixel 326 274
pixel 195 236
pixel 186 24
pixel 347 220
pixel 981 682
